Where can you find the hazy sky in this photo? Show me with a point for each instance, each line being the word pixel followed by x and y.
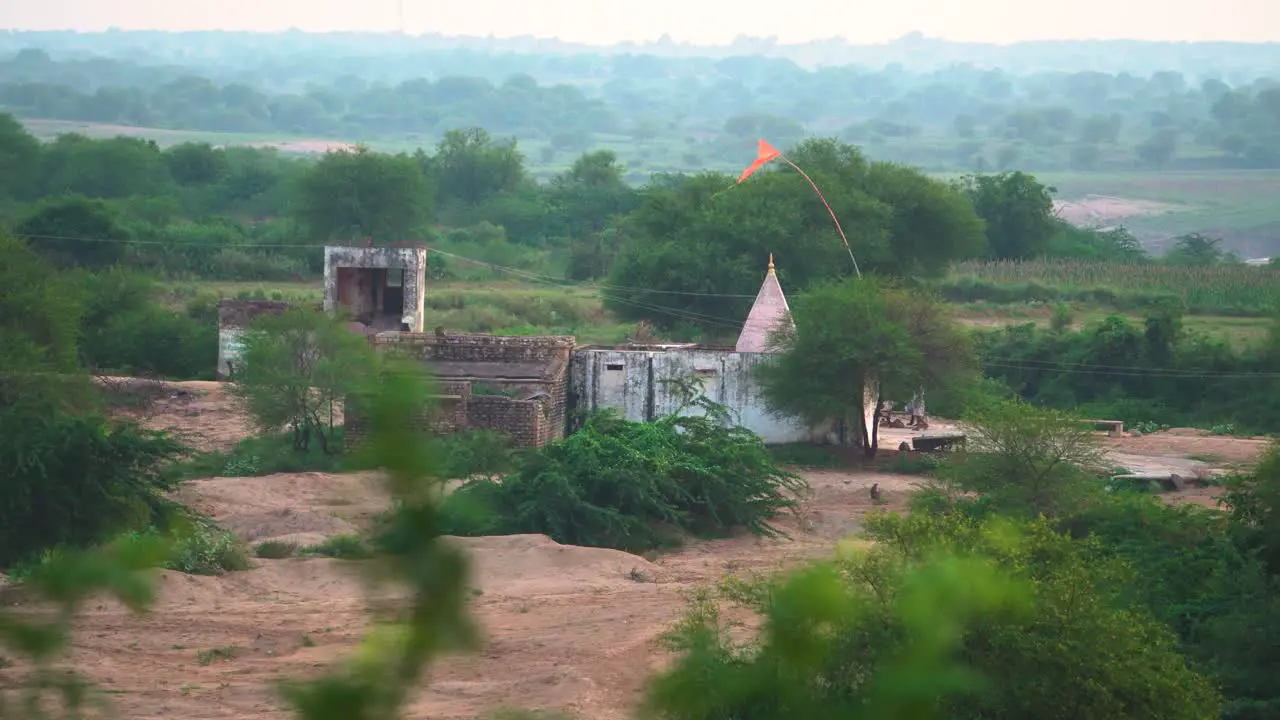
pixel 701 21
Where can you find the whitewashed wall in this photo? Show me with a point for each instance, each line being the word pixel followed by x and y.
pixel 630 381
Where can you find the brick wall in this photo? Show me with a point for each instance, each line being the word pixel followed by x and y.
pixel 481 348
pixel 524 421
pixel 528 423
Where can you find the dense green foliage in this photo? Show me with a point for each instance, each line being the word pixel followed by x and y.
pixel 77 481
pixel 634 486
pixel 1035 626
pixel 70 477
pixel 1157 372
pixel 706 240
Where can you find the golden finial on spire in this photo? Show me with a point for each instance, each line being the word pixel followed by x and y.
pixel 770 263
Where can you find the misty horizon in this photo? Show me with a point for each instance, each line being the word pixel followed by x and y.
pixel 707 23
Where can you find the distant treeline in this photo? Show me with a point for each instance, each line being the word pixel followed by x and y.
pixel 683 113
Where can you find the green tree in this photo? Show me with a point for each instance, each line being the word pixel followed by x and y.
pixel 931 225
pixel 196 163
pixel 76 231
pixel 112 168
pixel 631 485
pixel 354 194
pixel 296 369
pixel 1018 212
pixel 1025 459
pixel 1158 150
pixel 591 194
pixel 1254 502
pixel 470 166
pixel 1195 249
pixel 70 476
pixel 19 159
pixel 858 343
pixel 702 239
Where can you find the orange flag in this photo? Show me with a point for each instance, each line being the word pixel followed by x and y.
pixel 764 154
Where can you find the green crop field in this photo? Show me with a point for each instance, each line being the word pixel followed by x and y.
pixel 1224 289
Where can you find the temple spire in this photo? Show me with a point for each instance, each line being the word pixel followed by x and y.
pixel 769 313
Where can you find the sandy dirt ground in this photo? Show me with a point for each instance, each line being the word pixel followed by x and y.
pixel 565 628
pixel 1106 210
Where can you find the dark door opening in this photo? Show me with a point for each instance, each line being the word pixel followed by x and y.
pixel 393 295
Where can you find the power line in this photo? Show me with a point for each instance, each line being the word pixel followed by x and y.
pixel 1065 367
pixel 501 268
pixel 601 291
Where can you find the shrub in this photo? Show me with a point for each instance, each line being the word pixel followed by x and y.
pixel 476 453
pixel 79 480
pixel 270 454
pixel 943 618
pixel 206 549
pixel 276 550
pixel 632 486
pixel 342 547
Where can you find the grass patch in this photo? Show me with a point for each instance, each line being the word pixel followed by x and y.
pixel 914 463
pixel 805 455
pixel 269 454
pixel 341 547
pixel 276 550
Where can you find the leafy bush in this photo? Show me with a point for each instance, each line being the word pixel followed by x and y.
pixel 944 617
pixel 632 486
pixel 1204 578
pixel 342 547
pixel 125 330
pixel 79 480
pixel 476 453
pixel 206 549
pixel 915 463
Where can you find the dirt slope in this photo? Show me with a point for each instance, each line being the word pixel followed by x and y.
pixel 565 627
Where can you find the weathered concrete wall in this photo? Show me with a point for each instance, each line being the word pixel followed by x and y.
pixel 631 381
pixel 233 317
pixel 411 259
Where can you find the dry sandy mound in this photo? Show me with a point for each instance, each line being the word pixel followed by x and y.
pixel 287 505
pixel 530 565
pixel 200 413
pixel 272 581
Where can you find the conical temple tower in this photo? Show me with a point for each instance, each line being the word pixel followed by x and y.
pixel 769 310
